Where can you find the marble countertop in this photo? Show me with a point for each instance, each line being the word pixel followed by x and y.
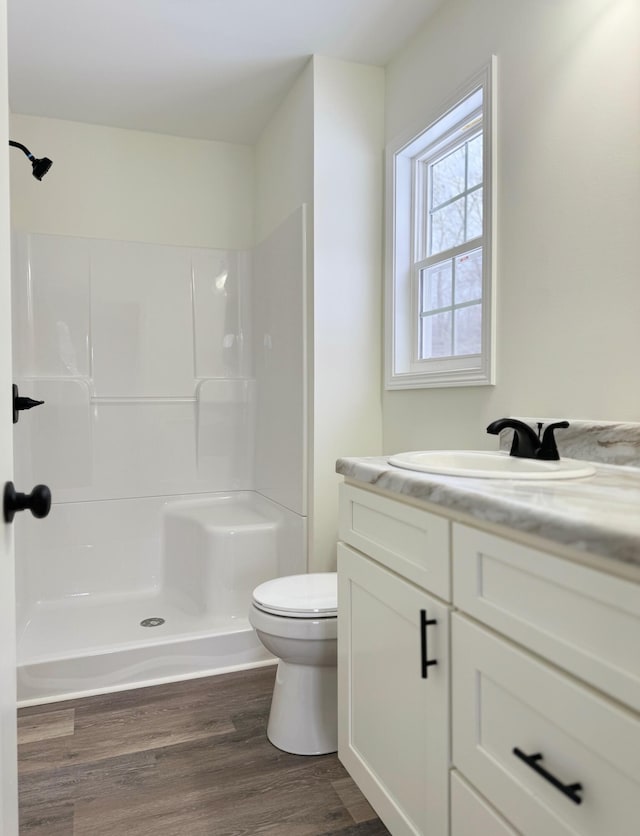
pixel 597 515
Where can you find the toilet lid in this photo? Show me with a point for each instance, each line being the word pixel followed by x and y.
pixel 299 596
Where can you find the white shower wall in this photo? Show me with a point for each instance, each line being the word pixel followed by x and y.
pixel 169 375
pixel 142 354
pixel 282 347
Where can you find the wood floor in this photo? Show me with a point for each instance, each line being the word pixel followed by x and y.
pixel 186 759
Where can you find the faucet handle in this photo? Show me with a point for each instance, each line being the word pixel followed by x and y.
pixel 548 448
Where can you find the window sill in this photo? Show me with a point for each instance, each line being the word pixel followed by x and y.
pixel 434 380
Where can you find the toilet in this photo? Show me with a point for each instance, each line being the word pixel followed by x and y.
pixel 296 619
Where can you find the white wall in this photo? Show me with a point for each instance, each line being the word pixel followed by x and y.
pixel 132 185
pixel 348 168
pixel 283 184
pixel 284 158
pixel 323 146
pixel 568 212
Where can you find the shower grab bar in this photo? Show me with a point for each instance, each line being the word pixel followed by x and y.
pixel 134 400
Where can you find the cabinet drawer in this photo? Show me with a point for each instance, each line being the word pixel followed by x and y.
pixel 412 542
pixel 503 699
pixel 585 621
pixel 471 815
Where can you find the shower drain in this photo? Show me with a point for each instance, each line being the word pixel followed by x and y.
pixel 151 622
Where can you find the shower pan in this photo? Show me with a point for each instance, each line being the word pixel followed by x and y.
pixel 140 591
pixel 173 438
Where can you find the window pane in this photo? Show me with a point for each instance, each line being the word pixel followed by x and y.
pixel 447 227
pixel 474 215
pixel 474 162
pixel 468 330
pixel 468 277
pixel 436 286
pixel 447 177
pixel 436 336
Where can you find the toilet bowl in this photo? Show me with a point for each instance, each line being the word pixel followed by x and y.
pixel 295 618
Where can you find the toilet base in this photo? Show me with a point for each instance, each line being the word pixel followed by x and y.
pixel 304 709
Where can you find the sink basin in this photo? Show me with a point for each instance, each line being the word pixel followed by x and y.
pixel 489 465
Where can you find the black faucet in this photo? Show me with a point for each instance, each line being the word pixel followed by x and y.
pixel 526 443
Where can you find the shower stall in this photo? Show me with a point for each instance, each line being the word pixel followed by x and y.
pixel 174 440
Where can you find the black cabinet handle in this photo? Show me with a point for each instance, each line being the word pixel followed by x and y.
pixel 425 661
pixel 38 501
pixel 570 790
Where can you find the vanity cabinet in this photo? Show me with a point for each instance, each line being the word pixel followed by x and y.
pixel 528 723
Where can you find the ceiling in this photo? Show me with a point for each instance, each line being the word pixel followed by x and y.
pixel 211 69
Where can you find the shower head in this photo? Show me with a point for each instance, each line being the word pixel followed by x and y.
pixel 40 167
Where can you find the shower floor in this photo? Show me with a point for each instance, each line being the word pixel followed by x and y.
pixel 82 646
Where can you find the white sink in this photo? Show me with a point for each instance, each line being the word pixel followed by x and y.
pixel 489 465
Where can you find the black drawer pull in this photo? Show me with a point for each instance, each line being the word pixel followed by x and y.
pixel 424 623
pixel 570 790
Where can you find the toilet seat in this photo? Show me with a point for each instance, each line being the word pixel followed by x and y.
pixel 299 596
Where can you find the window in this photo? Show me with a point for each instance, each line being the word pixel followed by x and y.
pixel 440 236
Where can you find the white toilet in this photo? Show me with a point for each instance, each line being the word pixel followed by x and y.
pixel 296 619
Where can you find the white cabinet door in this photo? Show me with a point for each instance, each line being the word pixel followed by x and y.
pixel 393 721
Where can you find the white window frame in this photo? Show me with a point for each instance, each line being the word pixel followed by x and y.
pixel 403 368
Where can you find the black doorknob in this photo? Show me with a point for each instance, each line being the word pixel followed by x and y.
pixel 38 501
